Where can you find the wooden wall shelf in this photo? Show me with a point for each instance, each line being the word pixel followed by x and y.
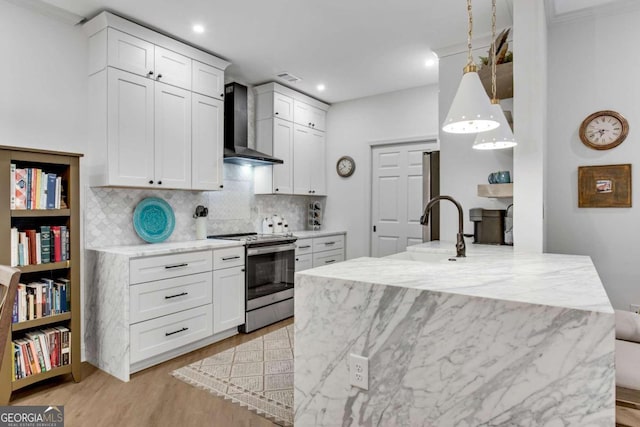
pixel 495 190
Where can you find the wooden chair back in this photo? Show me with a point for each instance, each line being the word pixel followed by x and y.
pixel 9 278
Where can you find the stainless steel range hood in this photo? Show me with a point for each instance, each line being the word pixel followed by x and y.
pixel 235 130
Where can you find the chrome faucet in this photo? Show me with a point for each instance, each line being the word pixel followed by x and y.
pixel 424 220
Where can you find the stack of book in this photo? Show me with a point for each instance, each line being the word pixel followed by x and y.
pixel 41 299
pixel 40 351
pixel 49 243
pixel 34 188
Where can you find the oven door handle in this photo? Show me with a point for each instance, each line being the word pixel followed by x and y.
pixel 270 249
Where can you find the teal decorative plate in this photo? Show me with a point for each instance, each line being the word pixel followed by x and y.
pixel 153 220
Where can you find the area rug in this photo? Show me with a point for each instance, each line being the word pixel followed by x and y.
pixel 257 375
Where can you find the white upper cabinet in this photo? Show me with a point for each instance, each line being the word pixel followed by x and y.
pixel 274 104
pixel 130 53
pixel 172 137
pixel 207 116
pixel 309 165
pixel 318 164
pixel 130 139
pixel 207 80
pixel 172 68
pixel 150 123
pixel 308 115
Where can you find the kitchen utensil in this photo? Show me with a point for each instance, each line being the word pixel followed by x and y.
pixel 267 226
pixel 201 227
pixel 277 224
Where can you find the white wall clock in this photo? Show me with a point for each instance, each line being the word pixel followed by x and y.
pixel 346 166
pixel 603 130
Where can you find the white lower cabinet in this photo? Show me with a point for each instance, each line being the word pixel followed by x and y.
pixel 228 298
pixel 319 251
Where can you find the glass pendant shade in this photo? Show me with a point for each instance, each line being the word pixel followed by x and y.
pixel 500 137
pixel 471 110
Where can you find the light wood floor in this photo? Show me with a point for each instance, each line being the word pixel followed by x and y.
pixel 154 398
pixel 151 398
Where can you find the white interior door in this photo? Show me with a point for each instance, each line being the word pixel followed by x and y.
pixel 396 199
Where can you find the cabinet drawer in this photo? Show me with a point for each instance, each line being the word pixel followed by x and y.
pixel 328 243
pixel 328 257
pixel 304 262
pixel 166 333
pixel 172 68
pixel 155 299
pixel 129 53
pixel 304 246
pixel 231 257
pixel 168 266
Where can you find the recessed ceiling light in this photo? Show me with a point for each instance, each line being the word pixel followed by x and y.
pixel 430 62
pixel 197 28
pixel 320 87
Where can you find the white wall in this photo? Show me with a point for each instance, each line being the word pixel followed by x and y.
pixel 592 66
pixel 530 126
pixel 403 115
pixel 44 81
pixel 461 167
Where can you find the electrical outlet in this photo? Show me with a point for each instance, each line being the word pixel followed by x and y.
pixel 359 371
pixel 635 308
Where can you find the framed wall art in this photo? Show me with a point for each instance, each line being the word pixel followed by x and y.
pixel 607 186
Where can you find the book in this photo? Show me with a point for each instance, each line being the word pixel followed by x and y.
pixel 17 356
pixel 33 357
pixel 48 285
pixel 45 244
pixel 14 247
pixel 51 191
pixel 38 249
pixel 54 347
pixel 12 185
pixel 64 286
pixel 37 187
pixel 55 243
pixel 29 188
pixel 58 191
pixel 34 341
pixel 65 345
pixel 26 363
pixel 20 188
pixel 31 235
pixel 42 189
pixel 22 302
pixel 36 290
pixel 64 239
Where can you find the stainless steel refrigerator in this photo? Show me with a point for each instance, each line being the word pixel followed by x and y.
pixel 430 189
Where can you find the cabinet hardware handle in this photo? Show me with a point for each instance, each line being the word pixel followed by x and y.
pixel 159 182
pixel 166 334
pixel 222 186
pixel 242 269
pixel 176 295
pixel 313 191
pixel 230 257
pixel 222 95
pixel 276 113
pixel 304 247
pixel 150 73
pixel 297 259
pixel 150 181
pixel 277 189
pixel 309 191
pixel 309 123
pixel 330 261
pixel 329 243
pixel 159 76
pixel 176 266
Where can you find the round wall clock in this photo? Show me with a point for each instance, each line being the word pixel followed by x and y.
pixel 603 130
pixel 346 166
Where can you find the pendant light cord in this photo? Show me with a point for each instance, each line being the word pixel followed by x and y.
pixel 494 59
pixel 469 57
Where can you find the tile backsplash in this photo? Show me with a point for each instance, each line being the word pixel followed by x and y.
pixel 108 212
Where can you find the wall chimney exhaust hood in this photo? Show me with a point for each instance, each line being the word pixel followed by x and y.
pixel 235 130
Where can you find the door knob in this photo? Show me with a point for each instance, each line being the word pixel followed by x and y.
pixel 150 73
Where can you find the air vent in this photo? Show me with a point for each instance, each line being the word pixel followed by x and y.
pixel 288 77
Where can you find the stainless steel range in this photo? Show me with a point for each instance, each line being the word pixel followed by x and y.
pixel 270 269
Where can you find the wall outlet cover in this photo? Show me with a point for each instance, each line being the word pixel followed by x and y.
pixel 359 371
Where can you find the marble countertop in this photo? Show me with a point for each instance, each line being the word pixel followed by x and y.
pixel 496 272
pixel 168 248
pixel 308 234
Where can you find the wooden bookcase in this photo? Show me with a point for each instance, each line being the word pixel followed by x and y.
pixel 67 166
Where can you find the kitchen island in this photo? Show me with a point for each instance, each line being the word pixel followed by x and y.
pixel 496 338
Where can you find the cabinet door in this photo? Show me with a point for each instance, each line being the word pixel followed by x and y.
pixel 282 106
pixel 318 118
pixel 317 164
pixel 302 113
pixel 207 142
pixel 207 80
pixel 129 53
pixel 172 68
pixel 172 137
pixel 228 298
pixel 283 149
pixel 301 160
pixel 130 146
pixel 304 262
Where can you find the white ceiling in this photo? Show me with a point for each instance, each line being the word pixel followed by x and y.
pixel 356 48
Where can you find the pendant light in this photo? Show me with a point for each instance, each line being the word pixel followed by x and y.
pixel 471 110
pixel 502 136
